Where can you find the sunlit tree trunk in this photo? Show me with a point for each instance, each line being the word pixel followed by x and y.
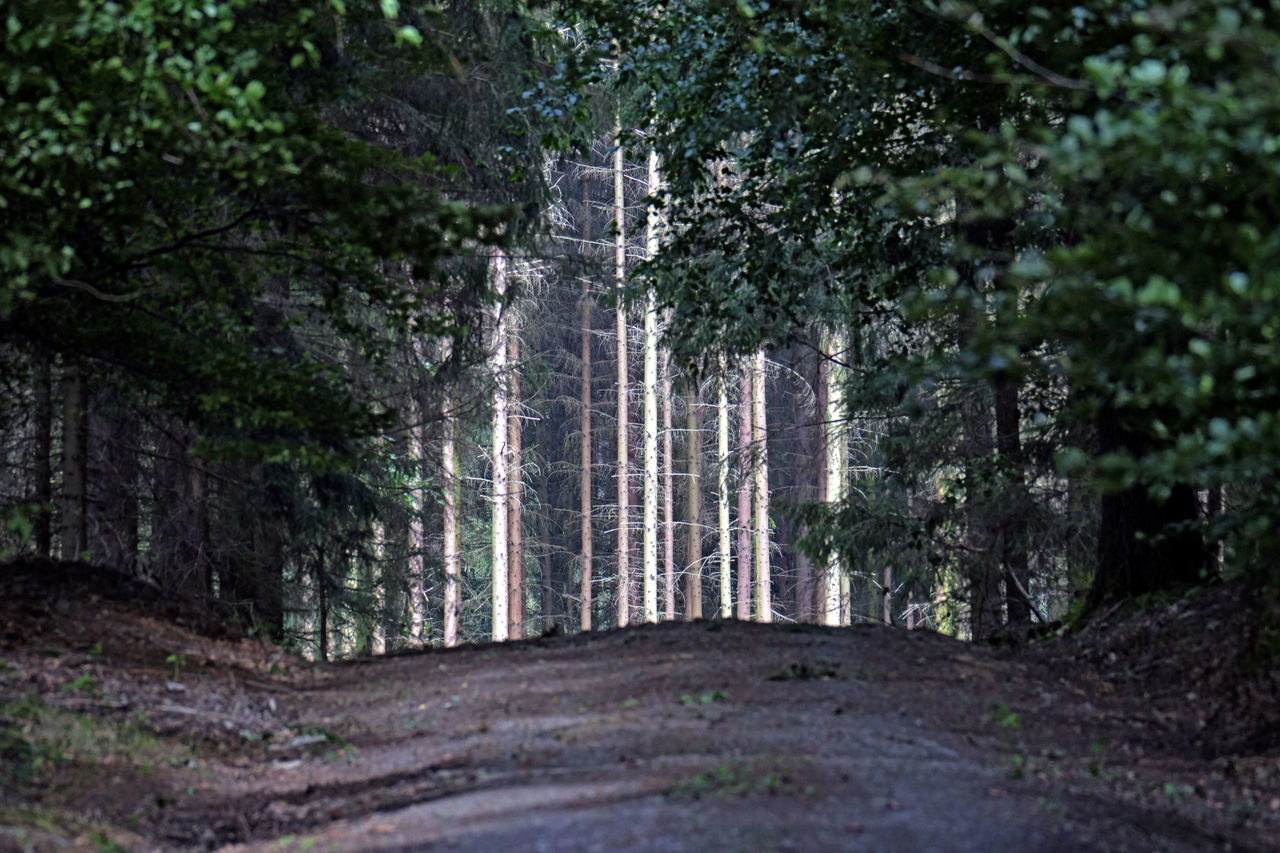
pixel 722 482
pixel 584 489
pixel 75 464
pixel 651 498
pixel 501 451
pixel 744 491
pixel 624 456
pixel 515 495
pixel 668 499
pixel 651 393
pixel 693 551
pixel 449 470
pixel 416 451
pixel 377 582
pixel 833 597
pixel 760 465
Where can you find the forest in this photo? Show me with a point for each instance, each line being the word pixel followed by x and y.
pixel 630 425
pixel 382 326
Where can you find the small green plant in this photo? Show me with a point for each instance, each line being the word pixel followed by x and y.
pixel 706 698
pixel 1018 766
pixel 1003 716
pixel 177 660
pixel 85 683
pixel 736 780
pixel 629 703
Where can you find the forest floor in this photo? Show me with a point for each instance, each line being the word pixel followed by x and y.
pixel 127 723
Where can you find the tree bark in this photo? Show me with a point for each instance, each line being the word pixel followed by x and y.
pixel 693 551
pixel 449 469
pixel 836 446
pixel 668 499
pixel 515 495
pixel 501 451
pixel 75 465
pixel 1013 530
pixel 624 485
pixel 1144 545
pixel 416 451
pixel 760 432
pixel 651 496
pixel 43 467
pixel 745 484
pixel 587 555
pixel 722 482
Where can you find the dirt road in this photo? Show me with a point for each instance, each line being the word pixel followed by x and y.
pixel 122 727
pixel 686 737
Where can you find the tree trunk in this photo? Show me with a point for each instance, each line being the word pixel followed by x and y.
pixel 515 495
pixel 668 499
pixel 1013 530
pixel 75 465
pixel 378 583
pixel 722 482
pixel 624 485
pixel 651 392
pixel 693 552
pixel 888 594
pixel 501 451
pixel 552 602
pixel 452 550
pixel 584 493
pixel 43 467
pixel 1144 545
pixel 651 496
pixel 416 451
pixel 760 460
pixel 836 445
pixel 986 604
pixel 744 492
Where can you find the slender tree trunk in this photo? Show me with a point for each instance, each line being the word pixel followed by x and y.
pixel 668 499
pixel 452 550
pixel 744 492
pixel 377 581
pixel 1013 533
pixel 75 464
pixel 584 493
pixel 624 456
pixel 986 604
pixel 722 483
pixel 43 468
pixel 693 552
pixel 764 604
pixel 515 496
pixel 833 587
pixel 552 603
pixel 416 451
pixel 651 497
pixel 501 451
pixel 888 594
pixel 651 392
pixel 322 598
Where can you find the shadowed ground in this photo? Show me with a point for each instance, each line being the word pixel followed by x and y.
pixel 703 736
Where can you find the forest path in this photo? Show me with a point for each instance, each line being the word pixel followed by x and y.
pixel 707 736
pixel 127 720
